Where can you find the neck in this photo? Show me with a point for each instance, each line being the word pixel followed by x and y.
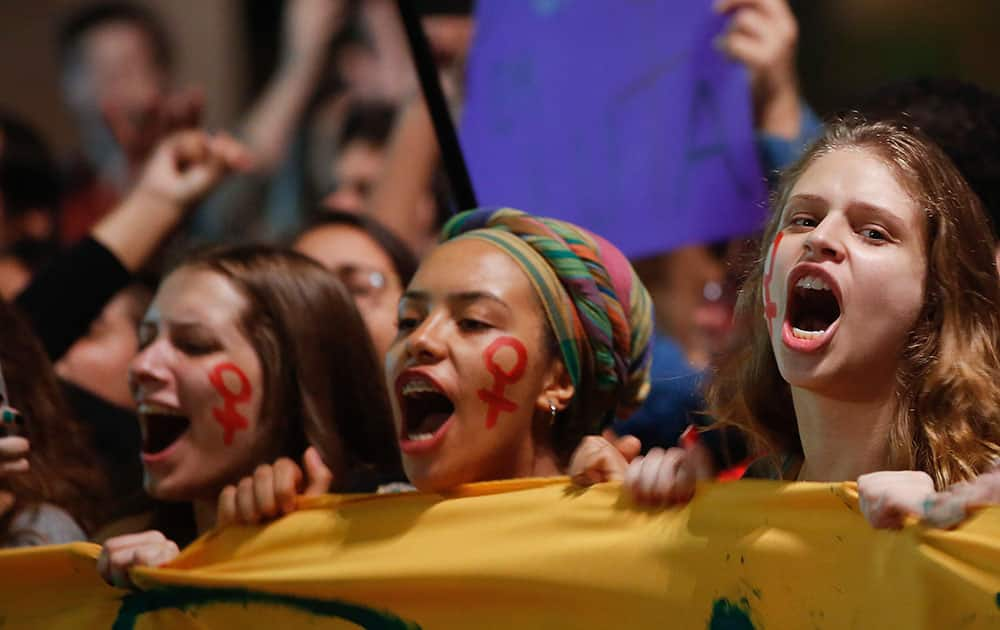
pixel 842 440
pixel 204 515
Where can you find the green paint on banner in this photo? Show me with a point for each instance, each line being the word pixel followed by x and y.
pixel 727 615
pixel 186 598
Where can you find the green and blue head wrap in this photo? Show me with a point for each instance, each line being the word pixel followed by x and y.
pixel 598 309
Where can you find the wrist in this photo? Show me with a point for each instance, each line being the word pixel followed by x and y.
pixel 150 202
pixel 779 113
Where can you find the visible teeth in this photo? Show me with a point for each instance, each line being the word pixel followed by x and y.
pixel 153 408
pixel 806 334
pixel 419 437
pixel 419 386
pixel 812 282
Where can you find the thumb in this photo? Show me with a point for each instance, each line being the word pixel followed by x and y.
pixel 629 446
pixel 318 475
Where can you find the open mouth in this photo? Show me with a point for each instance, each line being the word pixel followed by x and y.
pixel 813 308
pixel 161 428
pixel 426 409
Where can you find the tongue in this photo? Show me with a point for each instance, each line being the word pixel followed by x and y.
pixel 432 422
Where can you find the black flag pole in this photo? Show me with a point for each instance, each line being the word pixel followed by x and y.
pixel 444 128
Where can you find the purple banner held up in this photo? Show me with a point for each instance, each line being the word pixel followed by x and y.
pixel 619 116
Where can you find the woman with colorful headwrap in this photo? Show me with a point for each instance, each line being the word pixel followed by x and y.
pixel 518 336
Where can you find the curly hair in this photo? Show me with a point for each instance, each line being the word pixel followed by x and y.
pixel 947 421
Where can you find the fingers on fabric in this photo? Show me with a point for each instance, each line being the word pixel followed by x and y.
pixel 266 494
pixel 13 447
pixel 13 455
pixel 318 476
pixel 887 497
pixel 951 507
pixel 596 460
pixel 661 477
pixel 118 555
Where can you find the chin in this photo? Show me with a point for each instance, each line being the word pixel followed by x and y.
pixel 430 478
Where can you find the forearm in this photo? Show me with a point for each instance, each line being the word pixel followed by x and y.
pixel 272 121
pixel 411 158
pixel 135 229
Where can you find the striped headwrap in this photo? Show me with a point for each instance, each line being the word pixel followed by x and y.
pixel 598 309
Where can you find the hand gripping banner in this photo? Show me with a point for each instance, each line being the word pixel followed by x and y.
pixel 539 554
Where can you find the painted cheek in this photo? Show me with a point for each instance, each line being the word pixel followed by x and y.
pixel 228 416
pixel 496 402
pixel 770 307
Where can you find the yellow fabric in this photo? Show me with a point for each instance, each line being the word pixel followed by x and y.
pixel 540 554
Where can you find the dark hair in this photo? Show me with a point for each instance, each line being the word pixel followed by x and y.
pixel 962 118
pixel 81 22
pixel 323 385
pixel 404 262
pixel 62 471
pixel 29 177
pixel 367 121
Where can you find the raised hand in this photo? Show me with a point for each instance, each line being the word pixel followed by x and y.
pixel 138 133
pixel 763 35
pixel 187 165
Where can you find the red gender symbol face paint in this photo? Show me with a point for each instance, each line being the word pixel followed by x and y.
pixel 770 308
pixel 230 419
pixel 494 397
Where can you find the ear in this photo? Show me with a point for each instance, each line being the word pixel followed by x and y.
pixel 558 389
pixel 996 255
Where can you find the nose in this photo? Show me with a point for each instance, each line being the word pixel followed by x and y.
pixel 425 343
pixel 147 371
pixel 825 241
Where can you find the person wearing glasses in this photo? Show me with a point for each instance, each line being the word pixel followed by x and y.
pixel 370 260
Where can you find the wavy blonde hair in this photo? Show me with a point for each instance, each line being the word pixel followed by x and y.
pixel 947 421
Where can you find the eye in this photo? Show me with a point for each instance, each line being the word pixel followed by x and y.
pixel 804 221
pixel 874 234
pixel 467 324
pixel 195 347
pixel 406 324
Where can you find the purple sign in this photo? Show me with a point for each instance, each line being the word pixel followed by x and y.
pixel 619 116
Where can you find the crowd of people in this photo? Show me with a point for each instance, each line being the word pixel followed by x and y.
pixel 197 326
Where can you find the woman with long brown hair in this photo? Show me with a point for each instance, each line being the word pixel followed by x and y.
pixel 49 489
pixel 249 354
pixel 872 323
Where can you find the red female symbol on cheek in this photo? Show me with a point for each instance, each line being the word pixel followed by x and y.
pixel 770 308
pixel 494 397
pixel 230 419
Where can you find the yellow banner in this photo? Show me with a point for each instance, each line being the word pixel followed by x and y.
pixel 540 554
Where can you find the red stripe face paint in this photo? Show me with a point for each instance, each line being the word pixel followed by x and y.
pixel 494 397
pixel 770 308
pixel 230 419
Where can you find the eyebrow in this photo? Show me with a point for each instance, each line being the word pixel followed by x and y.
pixel 458 296
pixel 895 222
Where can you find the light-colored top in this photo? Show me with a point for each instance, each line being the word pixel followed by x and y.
pixel 42 524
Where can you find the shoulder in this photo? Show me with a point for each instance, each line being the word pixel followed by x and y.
pixel 43 524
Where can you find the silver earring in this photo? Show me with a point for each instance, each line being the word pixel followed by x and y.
pixel 552 413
